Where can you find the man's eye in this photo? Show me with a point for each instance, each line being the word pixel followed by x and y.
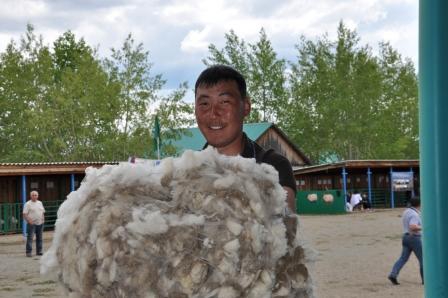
pixel 203 105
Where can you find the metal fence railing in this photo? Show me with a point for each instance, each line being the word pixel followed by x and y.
pixel 381 197
pixel 11 219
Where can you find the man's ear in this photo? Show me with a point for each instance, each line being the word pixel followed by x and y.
pixel 247 106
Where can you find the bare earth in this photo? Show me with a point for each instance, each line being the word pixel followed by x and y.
pixel 353 255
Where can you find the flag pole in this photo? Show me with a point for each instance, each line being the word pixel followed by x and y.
pixel 158 149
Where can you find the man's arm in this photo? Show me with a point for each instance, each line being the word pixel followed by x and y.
pixel 25 216
pixel 415 228
pixel 43 213
pixel 414 224
pixel 290 198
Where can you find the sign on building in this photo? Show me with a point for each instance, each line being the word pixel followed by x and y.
pixel 402 181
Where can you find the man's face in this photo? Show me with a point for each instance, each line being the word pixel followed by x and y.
pixel 220 111
pixel 34 196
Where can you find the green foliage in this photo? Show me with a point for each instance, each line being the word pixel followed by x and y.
pixel 65 104
pixel 338 99
pixel 264 73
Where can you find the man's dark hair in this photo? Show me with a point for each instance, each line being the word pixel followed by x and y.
pixel 415 202
pixel 217 73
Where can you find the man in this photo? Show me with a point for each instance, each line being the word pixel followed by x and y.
pixel 221 104
pixel 411 241
pixel 356 200
pixel 33 213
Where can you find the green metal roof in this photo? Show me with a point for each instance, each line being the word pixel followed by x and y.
pixel 194 140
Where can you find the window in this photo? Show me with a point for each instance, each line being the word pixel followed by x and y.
pixel 50 184
pixel 34 185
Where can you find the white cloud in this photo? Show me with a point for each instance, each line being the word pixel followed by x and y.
pixel 177 32
pixel 196 40
pixel 19 10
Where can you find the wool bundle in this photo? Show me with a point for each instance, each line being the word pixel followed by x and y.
pixel 328 198
pixel 201 225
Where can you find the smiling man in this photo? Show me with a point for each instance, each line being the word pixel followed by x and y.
pixel 221 104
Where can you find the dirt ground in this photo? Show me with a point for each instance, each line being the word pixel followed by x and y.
pixel 353 255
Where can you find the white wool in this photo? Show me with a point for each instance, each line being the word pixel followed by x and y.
pixel 147 223
pixel 188 220
pixel 277 238
pixel 201 225
pixel 103 248
pixel 227 292
pixel 227 266
pixel 262 286
pixel 198 272
pixel 234 227
pixel 208 243
pixel 232 246
pixel 119 233
pixel 224 182
pixel 257 235
pixel 257 207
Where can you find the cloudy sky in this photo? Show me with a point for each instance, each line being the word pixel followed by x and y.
pixel 178 32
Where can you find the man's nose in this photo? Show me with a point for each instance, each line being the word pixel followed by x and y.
pixel 215 110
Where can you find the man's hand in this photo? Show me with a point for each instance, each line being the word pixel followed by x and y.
pixel 415 228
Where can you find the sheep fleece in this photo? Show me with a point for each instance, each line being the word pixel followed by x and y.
pixel 201 225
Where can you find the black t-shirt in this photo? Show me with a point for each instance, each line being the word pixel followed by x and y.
pixel 278 161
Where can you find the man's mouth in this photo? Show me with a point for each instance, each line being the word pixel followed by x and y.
pixel 215 127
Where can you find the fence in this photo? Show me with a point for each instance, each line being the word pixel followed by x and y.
pixel 312 201
pixel 381 197
pixel 320 202
pixel 11 219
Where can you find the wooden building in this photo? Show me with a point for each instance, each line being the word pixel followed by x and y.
pixel 53 180
pixel 374 178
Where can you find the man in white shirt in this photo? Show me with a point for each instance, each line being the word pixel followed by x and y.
pixel 356 200
pixel 33 213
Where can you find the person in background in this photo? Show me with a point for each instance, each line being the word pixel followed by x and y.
pixel 33 213
pixel 365 201
pixel 221 105
pixel 356 200
pixel 411 240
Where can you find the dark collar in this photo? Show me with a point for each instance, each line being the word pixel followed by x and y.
pixel 248 147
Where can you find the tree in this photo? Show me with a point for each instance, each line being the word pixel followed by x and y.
pixel 25 82
pixel 130 67
pixel 264 73
pixel 399 105
pixel 267 79
pixel 352 104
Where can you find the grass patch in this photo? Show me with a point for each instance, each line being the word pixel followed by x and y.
pixel 24 278
pixel 394 237
pixel 8 289
pixel 42 291
pixel 45 282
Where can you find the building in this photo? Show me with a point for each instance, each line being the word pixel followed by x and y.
pixel 385 183
pixel 53 180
